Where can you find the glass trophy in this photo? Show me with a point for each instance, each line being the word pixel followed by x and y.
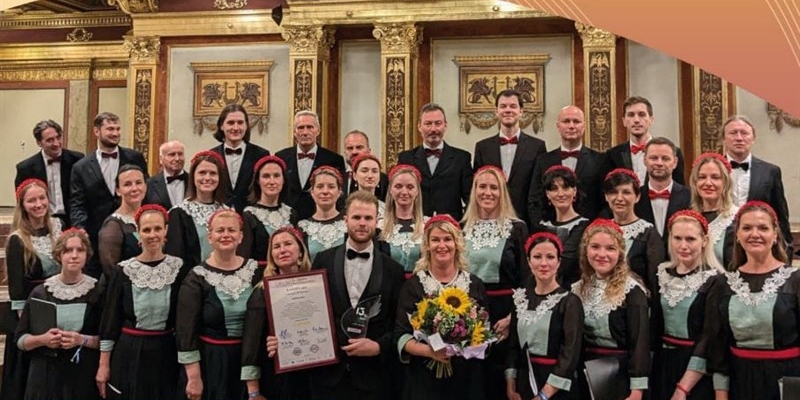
pixel 356 319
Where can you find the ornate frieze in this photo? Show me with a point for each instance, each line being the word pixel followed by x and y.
pixel 45 71
pixel 229 4
pixel 595 37
pixel 778 117
pixel 309 40
pixel 398 38
pixel 135 6
pixel 79 35
pixel 143 49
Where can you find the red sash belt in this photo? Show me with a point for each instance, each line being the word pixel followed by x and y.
pixel 543 360
pixel 605 351
pixel 36 281
pixel 144 333
pixel 220 342
pixel 677 342
pixel 500 292
pixel 751 354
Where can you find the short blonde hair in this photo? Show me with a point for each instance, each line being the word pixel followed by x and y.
pixel 424 263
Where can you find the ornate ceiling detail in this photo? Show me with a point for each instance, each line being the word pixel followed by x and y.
pixel 398 37
pixel 309 39
pixel 595 37
pixel 79 35
pixel 143 49
pixel 135 6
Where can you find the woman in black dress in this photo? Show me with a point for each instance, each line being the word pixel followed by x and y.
pixel 443 265
pixel 712 196
pixel 210 318
pixel 287 255
pixel 546 329
pixel 403 221
pixel 137 342
pixel 118 236
pixel 29 262
pixel 64 358
pixel 757 321
pixel 326 228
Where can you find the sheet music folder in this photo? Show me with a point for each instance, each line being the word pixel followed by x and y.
pixel 43 315
pixel 602 374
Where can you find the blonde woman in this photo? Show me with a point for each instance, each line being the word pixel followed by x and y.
pixel 443 265
pixel 712 196
pixel 403 220
pixel 287 256
pixel 616 322
pixel 679 311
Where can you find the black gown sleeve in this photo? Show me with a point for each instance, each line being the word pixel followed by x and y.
pixel 655 256
pixel 519 234
pixel 24 324
pixel 569 353
pixel 110 240
pixel 716 348
pixel 258 238
pixel 182 240
pixel 15 270
pixel 254 335
pixel 187 320
pixel 410 293
pixel 113 311
pixel 637 321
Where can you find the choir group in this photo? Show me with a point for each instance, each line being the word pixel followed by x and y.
pixel 603 275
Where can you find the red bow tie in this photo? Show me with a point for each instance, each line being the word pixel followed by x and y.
pixel 654 194
pixel 53 160
pixel 310 156
pixel 504 141
pixel 568 154
pixel 108 155
pixel 636 149
pixel 433 152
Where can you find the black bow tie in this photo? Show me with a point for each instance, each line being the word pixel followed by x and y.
pixel 108 155
pixel 179 177
pixel 229 151
pixel 433 152
pixel 352 254
pixel 53 160
pixel 743 165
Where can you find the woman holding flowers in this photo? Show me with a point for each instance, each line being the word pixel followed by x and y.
pixel 546 329
pixel 441 297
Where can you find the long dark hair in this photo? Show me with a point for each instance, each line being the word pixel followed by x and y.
pixel 219 135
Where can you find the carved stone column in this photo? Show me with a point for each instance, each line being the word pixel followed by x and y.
pixel 399 47
pixel 309 53
pixel 143 63
pixel 599 56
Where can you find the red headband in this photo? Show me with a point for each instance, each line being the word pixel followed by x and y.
pixel 625 171
pixel 327 169
pixel 28 182
pixel 150 207
pixel 602 222
pixel 225 211
pixel 208 153
pixel 559 167
pixel 290 230
pixel 545 235
pixel 490 168
pixel 405 168
pixel 73 231
pixel 364 156
pixel 716 156
pixel 269 159
pixel 756 205
pixel 689 214
pixel 442 218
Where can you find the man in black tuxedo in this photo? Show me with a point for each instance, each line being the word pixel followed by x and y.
pixel 512 150
pixel 753 178
pixel 362 281
pixel 52 165
pixel 637 116
pixel 233 132
pixel 589 166
pixel 661 195
pixel 355 143
pixel 168 187
pixel 446 170
pixel 301 160
pixel 93 180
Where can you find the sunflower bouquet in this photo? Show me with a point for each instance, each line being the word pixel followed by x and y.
pixel 453 321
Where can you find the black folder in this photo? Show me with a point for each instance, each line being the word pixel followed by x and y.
pixel 605 381
pixel 43 315
pixel 790 387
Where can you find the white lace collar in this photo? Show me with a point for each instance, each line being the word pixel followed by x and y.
pixel 742 289
pixel 404 240
pixel 325 233
pixel 63 291
pixel 144 276
pixel 127 219
pixel 524 316
pixel 200 212
pixel 676 288
pixel 487 233
pixel 717 227
pixel 43 245
pixel 231 284
pixel 432 286
pixel 635 229
pixel 595 303
pixel 272 218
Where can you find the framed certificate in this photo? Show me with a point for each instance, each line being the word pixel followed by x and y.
pixel 301 317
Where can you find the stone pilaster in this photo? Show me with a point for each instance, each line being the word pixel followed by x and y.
pixel 599 55
pixel 143 64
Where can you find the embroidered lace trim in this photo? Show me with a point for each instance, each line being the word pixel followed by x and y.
pixel 232 284
pixel 527 317
pixel 676 288
pixel 635 229
pixel 431 286
pixel 487 233
pixel 62 291
pixel 595 304
pixel 717 227
pixel 404 240
pixel 198 211
pixel 144 276
pixel 325 233
pixel 124 218
pixel 768 291
pixel 274 219
pixel 43 245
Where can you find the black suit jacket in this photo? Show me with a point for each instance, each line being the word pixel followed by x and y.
pixel 367 373
pixel 298 197
pixel 34 167
pixel 590 170
pixel 157 192
pixel 619 156
pixel 766 184
pixel 680 198
pixel 92 200
pixel 444 190
pixel 529 149
pixel 237 196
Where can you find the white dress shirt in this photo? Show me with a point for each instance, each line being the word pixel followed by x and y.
pixel 357 272
pixel 175 189
pixel 54 194
pixel 659 208
pixel 305 165
pixel 740 180
pixel 637 161
pixel 570 162
pixel 507 154
pixel 109 166
pixel 234 162
pixel 433 161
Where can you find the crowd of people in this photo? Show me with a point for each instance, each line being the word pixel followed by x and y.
pixel 125 286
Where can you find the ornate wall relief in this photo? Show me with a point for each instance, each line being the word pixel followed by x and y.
pixel 778 117
pixel 309 52
pixel 599 85
pixel 711 110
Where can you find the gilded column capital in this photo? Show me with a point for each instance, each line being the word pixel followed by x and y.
pixel 398 37
pixel 595 37
pixel 135 6
pixel 143 49
pixel 309 40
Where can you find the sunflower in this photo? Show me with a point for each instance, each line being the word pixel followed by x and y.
pixel 477 334
pixel 416 323
pixel 453 300
pixel 422 308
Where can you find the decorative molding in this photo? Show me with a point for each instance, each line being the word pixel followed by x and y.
pixel 778 117
pixel 303 80
pixel 599 74
pixel 309 40
pixel 63 51
pixel 711 109
pixel 109 74
pixel 208 23
pixel 396 110
pixel 595 37
pixel 45 71
pixel 79 35
pixel 143 110
pixel 61 21
pixel 135 6
pixel 229 4
pixel 143 49
pixel 402 38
